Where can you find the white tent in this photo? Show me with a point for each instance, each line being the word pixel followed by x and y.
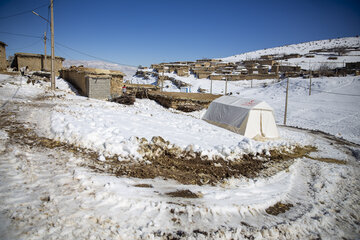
pixel 248 117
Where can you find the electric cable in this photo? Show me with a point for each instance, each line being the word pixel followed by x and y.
pixel 28 46
pixel 24 12
pixel 86 54
pixel 20 34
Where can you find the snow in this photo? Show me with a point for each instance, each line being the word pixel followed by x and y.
pixel 332 106
pixel 50 193
pixel 73 202
pixel 305 48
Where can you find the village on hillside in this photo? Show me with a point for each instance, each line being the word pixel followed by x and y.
pixel 260 145
pixel 339 59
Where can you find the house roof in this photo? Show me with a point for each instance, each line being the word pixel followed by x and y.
pixel 97 71
pixel 2 43
pixel 35 55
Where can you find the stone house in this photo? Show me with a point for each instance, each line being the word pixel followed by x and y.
pixel 36 62
pixel 3 62
pixel 266 57
pixel 263 69
pixel 292 55
pixel 267 62
pixel 183 71
pixel 93 82
pixel 202 64
pixel 289 69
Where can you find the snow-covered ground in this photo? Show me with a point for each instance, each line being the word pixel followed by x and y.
pixel 52 192
pixel 332 107
pixel 49 193
pixel 314 63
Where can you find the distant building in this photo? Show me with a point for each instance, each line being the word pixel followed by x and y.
pixel 3 62
pixel 36 62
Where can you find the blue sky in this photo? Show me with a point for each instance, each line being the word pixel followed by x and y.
pixel 145 32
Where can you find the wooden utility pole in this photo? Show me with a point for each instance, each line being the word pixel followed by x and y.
pixel 162 80
pixel 225 85
pixel 211 86
pixel 251 82
pixel 52 46
pixel 45 63
pixel 310 79
pixel 286 100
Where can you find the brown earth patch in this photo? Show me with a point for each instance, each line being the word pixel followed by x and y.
pixel 162 159
pixel 183 194
pixel 143 185
pixel 328 160
pixel 278 208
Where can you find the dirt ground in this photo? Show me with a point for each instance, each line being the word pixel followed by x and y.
pixel 161 159
pixel 192 96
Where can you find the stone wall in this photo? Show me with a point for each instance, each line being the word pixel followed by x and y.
pixel 186 102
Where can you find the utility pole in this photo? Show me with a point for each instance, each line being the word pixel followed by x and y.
pixel 52 46
pixel 162 79
pixel 225 85
pixel 251 82
pixel 45 63
pixel 310 79
pixel 211 86
pixel 286 100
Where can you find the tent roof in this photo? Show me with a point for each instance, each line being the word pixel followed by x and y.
pixel 246 103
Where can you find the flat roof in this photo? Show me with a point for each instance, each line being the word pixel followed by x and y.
pixel 34 55
pixel 2 43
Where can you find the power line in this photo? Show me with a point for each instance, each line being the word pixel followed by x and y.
pixel 20 34
pixel 102 59
pixel 344 94
pixel 37 41
pixel 335 93
pixel 24 12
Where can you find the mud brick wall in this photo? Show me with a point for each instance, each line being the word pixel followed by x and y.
pixel 3 62
pixel 116 85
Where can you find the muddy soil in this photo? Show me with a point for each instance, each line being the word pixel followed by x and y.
pixel 278 208
pixel 162 159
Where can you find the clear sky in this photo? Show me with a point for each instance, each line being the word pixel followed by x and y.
pixel 145 32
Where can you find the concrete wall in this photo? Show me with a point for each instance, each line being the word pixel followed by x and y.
pixel 98 86
pixel 3 62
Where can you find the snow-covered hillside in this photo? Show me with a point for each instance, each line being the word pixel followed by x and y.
pixel 305 48
pixel 128 70
pixel 301 48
